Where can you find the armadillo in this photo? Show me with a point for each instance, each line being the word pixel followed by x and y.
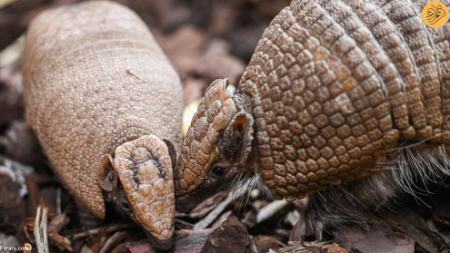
pixel 336 92
pixel 106 104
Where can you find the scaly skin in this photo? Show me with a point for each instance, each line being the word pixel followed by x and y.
pixel 101 97
pixel 332 87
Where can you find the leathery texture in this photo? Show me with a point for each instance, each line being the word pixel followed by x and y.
pixel 336 84
pixel 94 79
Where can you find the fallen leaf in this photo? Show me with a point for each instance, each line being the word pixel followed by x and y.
pixel 376 240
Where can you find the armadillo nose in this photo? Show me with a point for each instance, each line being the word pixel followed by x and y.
pixel 160 244
pixel 184 204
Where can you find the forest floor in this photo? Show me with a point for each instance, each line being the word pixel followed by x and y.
pixel 204 40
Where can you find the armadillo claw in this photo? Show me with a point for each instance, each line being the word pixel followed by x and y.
pixel 145 170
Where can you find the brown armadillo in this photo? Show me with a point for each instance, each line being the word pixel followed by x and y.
pixel 106 105
pixel 337 90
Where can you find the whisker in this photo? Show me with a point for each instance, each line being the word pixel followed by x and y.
pixel 411 173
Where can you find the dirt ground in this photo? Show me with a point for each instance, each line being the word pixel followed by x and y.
pixel 204 40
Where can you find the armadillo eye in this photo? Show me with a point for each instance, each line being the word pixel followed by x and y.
pixel 125 205
pixel 218 170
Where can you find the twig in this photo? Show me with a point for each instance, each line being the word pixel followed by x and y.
pixel 204 223
pixel 269 210
pixel 54 227
pixel 58 201
pixel 13 52
pixel 4 3
pixel 107 229
pixel 113 241
pixel 40 230
pixel 310 247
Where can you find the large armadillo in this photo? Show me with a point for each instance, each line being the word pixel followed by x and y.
pixel 337 90
pixel 106 106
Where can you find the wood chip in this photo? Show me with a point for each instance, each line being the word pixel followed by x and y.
pixel 270 210
pixel 230 237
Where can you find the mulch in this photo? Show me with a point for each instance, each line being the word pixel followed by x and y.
pixel 204 40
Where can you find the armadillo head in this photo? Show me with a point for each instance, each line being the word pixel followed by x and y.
pixel 217 146
pixel 138 181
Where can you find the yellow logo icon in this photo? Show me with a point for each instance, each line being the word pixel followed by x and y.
pixel 435 14
pixel 27 248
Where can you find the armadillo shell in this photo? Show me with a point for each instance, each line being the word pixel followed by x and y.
pixel 94 79
pixel 336 83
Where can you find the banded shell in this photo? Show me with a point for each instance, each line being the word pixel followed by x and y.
pixel 336 84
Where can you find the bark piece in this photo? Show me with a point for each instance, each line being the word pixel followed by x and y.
pixel 230 237
pixel 19 144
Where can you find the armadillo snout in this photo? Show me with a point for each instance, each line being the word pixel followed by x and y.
pixel 200 146
pixel 144 169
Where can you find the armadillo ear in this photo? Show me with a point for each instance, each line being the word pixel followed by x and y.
pixel 172 152
pixel 108 178
pixel 236 143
